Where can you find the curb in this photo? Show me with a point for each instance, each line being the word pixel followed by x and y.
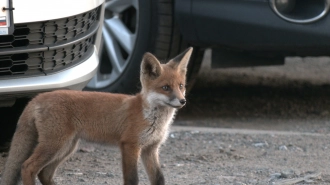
pixel 242 131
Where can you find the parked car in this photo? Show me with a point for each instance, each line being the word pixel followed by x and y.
pixel 239 32
pixel 45 45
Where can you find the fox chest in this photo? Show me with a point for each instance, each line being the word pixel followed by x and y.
pixel 158 125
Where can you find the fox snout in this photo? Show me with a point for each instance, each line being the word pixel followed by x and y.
pixel 177 99
pixel 177 103
pixel 183 101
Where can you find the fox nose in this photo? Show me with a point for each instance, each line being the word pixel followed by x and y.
pixel 183 101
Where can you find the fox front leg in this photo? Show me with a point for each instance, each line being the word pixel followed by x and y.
pixel 130 155
pixel 150 160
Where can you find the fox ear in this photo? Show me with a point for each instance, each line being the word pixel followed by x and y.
pixel 150 66
pixel 181 61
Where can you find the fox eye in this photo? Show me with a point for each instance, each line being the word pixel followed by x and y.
pixel 166 87
pixel 181 86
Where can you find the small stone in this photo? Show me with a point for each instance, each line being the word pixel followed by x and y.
pixel 77 174
pixel 194 132
pixel 163 166
pixel 283 147
pixel 275 175
pixel 87 149
pixel 101 173
pixel 298 149
pixel 110 175
pixel 287 173
pixel 221 150
pixel 260 144
pixel 202 158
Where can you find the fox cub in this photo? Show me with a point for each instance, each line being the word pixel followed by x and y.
pixel 52 124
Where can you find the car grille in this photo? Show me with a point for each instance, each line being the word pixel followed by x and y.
pixel 44 62
pixel 42 48
pixel 49 32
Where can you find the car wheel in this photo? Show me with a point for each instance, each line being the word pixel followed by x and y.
pixel 131 28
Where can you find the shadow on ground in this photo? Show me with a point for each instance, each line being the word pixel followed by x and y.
pixel 275 97
pixel 237 101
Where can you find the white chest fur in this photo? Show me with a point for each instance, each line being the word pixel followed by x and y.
pixel 159 119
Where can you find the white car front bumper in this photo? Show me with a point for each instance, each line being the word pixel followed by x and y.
pixel 74 78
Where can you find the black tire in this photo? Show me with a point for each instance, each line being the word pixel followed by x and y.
pixel 169 41
pixel 159 34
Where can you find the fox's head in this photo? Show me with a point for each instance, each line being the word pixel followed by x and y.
pixel 164 84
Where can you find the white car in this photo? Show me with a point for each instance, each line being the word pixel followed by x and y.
pixel 45 45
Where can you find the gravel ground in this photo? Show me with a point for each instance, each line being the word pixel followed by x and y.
pixel 267 125
pixel 214 156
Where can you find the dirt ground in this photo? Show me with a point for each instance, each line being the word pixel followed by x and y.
pixel 273 128
pixel 193 155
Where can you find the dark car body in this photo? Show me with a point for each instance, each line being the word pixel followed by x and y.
pixel 255 28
